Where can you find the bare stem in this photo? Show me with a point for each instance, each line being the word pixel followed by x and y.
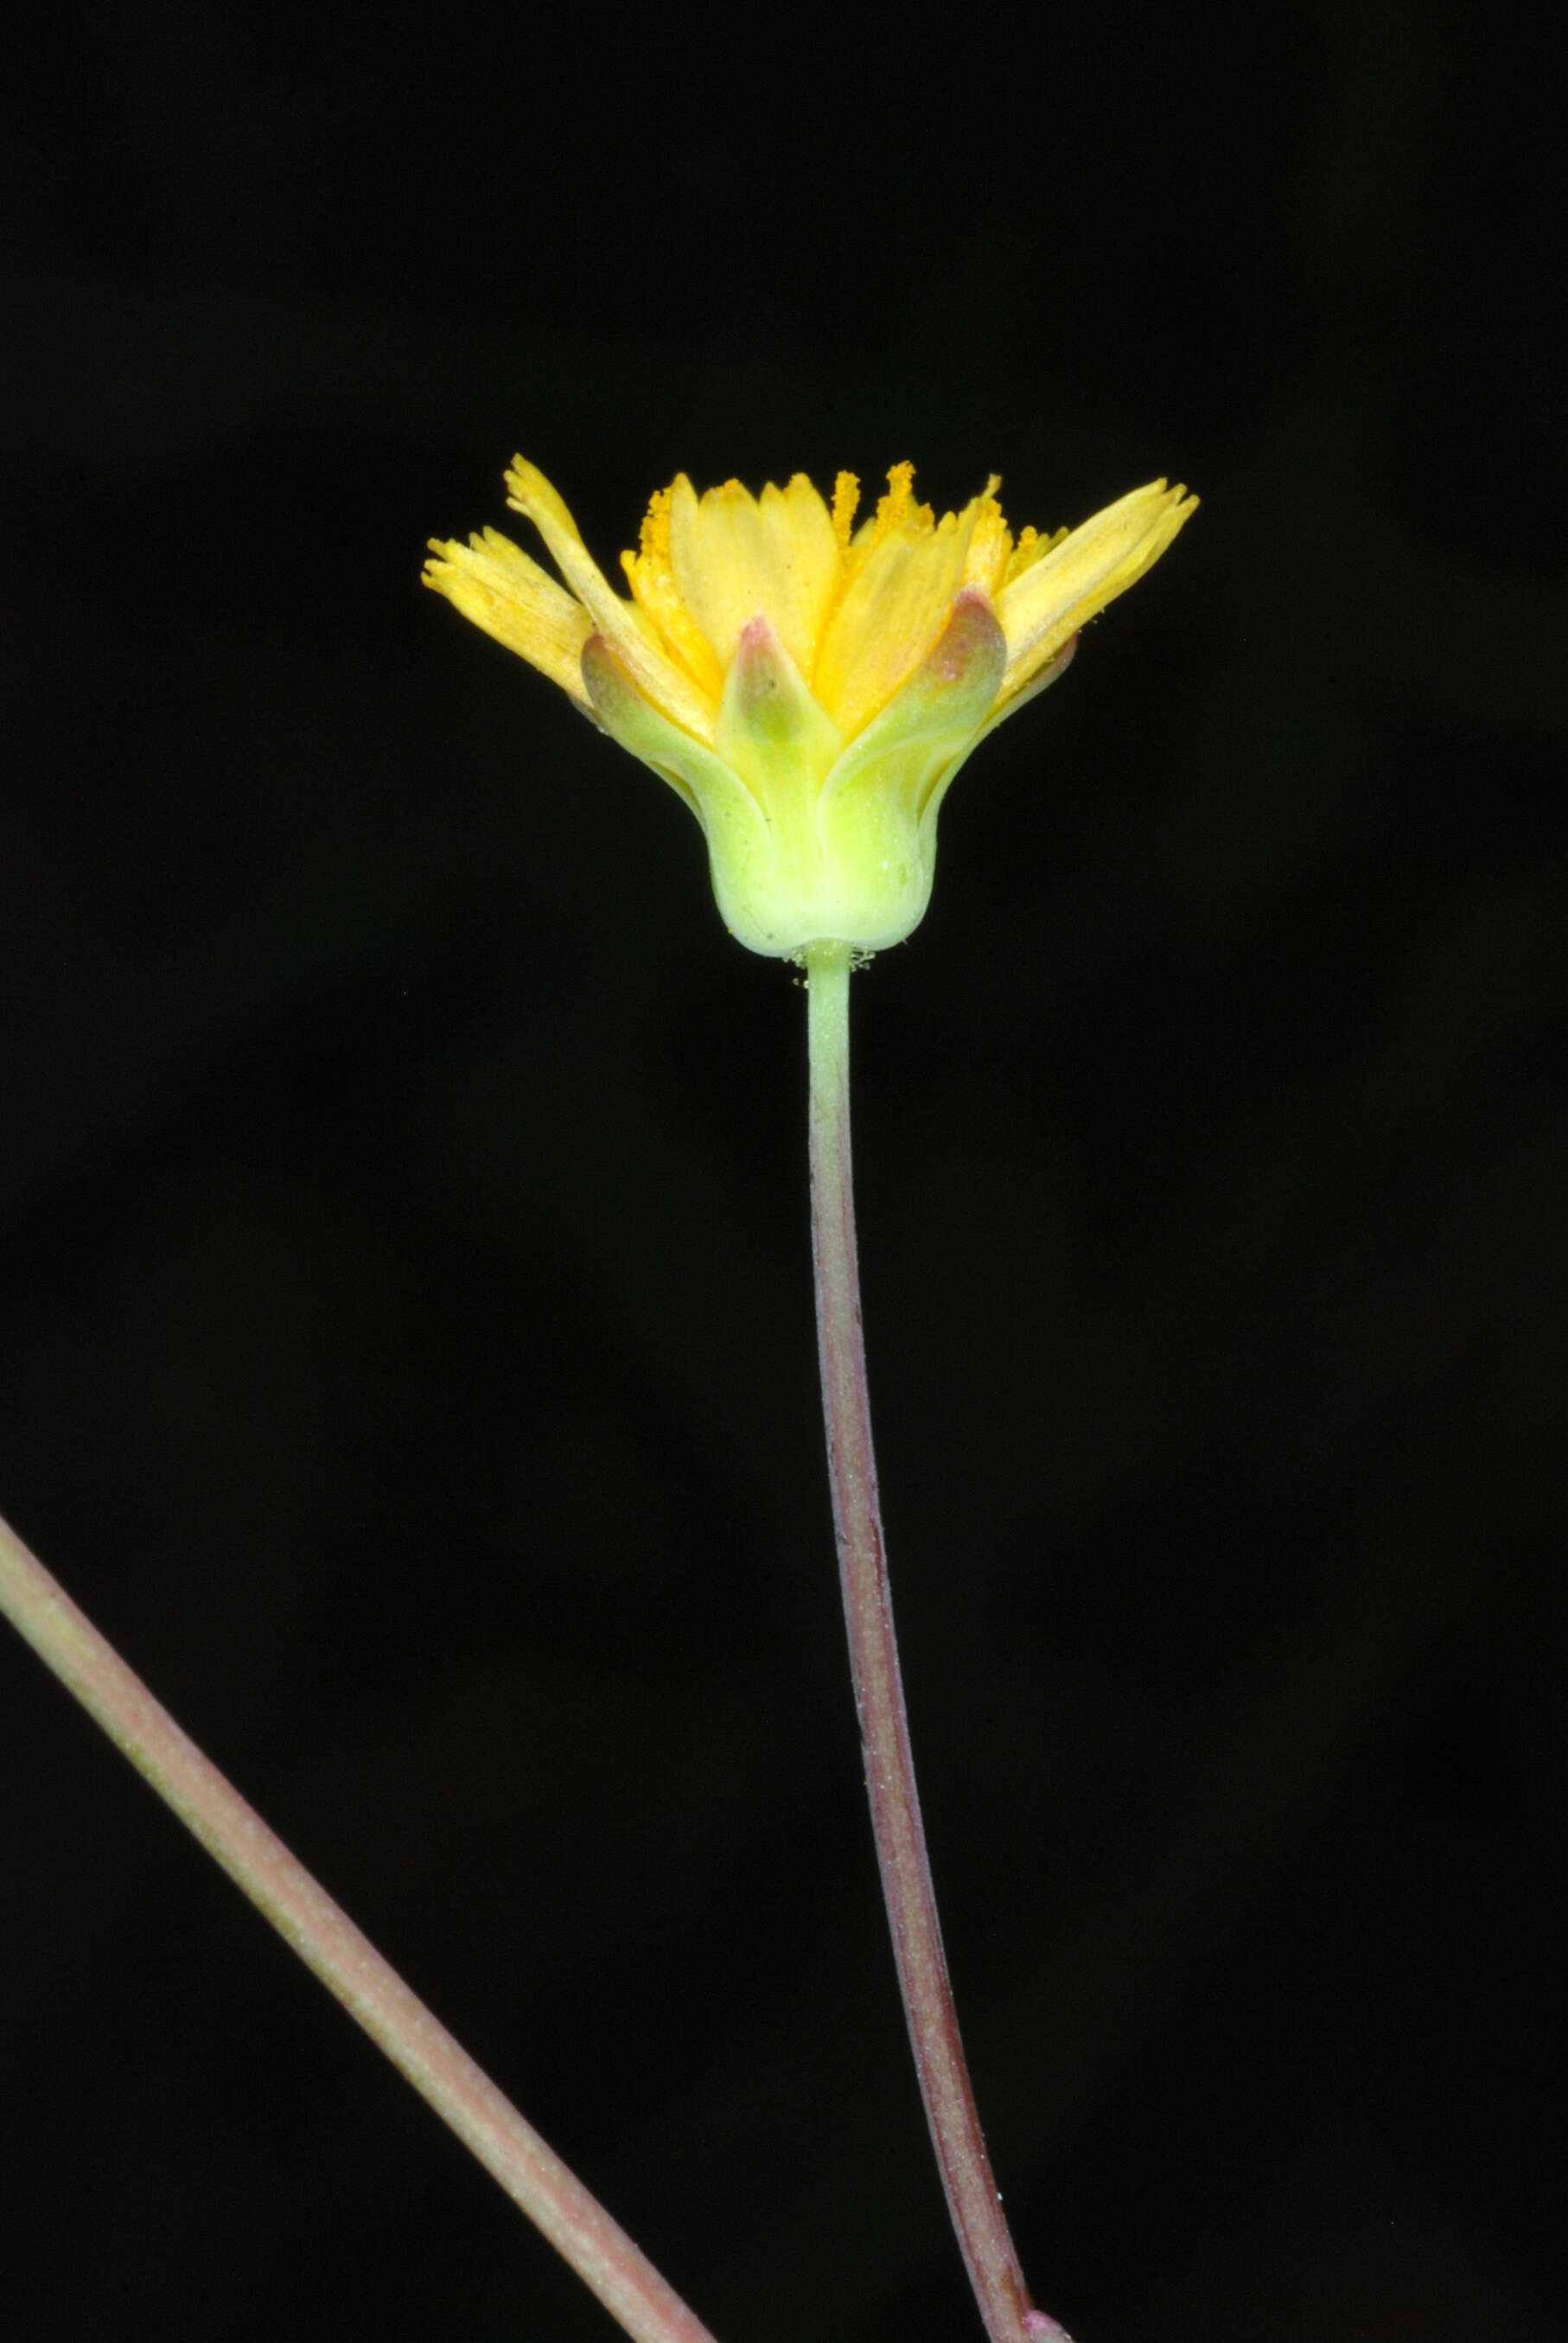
pixel 326 1940
pixel 971 2193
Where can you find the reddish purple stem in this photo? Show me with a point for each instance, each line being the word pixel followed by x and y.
pixel 971 2192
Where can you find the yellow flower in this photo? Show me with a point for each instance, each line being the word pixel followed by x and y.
pixel 809 688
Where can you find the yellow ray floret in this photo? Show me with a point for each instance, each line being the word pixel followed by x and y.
pixel 493 581
pixel 733 555
pixel 636 645
pixel 1045 604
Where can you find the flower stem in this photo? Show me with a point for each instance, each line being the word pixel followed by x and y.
pixel 971 2193
pixel 326 1940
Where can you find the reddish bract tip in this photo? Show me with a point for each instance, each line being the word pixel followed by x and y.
pixel 972 631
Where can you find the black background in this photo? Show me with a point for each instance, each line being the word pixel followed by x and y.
pixel 408 1352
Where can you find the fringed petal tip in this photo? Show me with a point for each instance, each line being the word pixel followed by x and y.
pixel 495 584
pixel 1083 571
pixel 634 639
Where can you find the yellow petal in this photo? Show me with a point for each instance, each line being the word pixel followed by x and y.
pixel 717 553
pixel 1044 604
pixel 896 603
pixel 493 581
pixel 632 639
pixel 804 547
pixel 734 558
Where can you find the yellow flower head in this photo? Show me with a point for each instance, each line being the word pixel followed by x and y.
pixel 809 688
